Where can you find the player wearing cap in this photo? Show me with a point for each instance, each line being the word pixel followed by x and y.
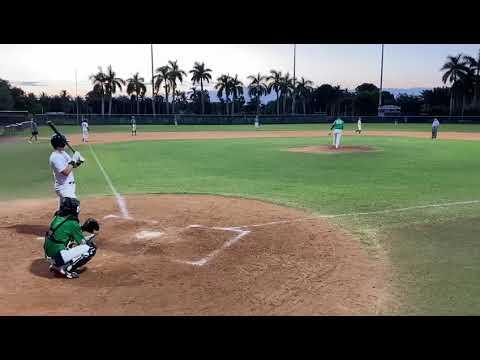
pixel 62 166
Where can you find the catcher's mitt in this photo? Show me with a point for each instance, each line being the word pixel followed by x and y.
pixel 90 225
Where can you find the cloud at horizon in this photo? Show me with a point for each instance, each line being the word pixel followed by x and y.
pixel 51 68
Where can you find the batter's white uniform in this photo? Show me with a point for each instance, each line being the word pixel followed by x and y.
pixel 85 131
pixel 64 185
pixel 359 125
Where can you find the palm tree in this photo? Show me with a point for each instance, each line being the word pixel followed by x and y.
pixel 474 66
pixel 194 94
pixel 257 88
pixel 174 74
pixel 236 88
pixel 64 100
pixel 201 74
pixel 111 84
pixel 455 70
pixel 304 89
pixel 44 101
pixel 98 81
pixel 275 81
pixel 223 85
pixel 162 77
pixel 181 97
pixel 135 85
pixel 286 86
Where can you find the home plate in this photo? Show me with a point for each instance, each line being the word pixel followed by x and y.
pixel 110 216
pixel 145 234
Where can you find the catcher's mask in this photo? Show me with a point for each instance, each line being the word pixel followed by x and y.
pixel 69 206
pixel 58 141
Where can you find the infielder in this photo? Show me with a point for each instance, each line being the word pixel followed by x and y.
pixel 337 128
pixel 62 166
pixel 84 130
pixel 34 128
pixel 134 125
pixel 66 247
pixel 359 126
pixel 435 126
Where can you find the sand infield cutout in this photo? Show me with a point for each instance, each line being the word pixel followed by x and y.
pixel 184 254
pixel 330 149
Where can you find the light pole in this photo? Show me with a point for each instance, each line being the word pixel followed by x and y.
pixel 294 63
pixel 153 88
pixel 76 93
pixel 381 82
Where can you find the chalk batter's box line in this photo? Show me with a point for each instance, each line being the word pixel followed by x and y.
pixel 241 232
pixel 203 261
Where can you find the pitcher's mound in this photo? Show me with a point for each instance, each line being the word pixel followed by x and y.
pixel 184 254
pixel 319 149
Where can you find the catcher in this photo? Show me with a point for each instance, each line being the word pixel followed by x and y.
pixel 66 248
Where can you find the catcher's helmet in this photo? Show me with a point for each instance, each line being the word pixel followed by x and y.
pixel 69 206
pixel 58 141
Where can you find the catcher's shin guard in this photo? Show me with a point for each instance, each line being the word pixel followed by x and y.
pixel 82 259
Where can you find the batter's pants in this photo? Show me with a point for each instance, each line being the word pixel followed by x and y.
pixel 68 190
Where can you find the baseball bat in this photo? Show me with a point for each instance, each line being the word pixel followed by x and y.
pixel 52 125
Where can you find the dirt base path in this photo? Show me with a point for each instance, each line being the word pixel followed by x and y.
pixel 190 255
pixel 101 138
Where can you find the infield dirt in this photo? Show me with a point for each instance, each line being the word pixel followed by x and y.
pixel 102 138
pixel 291 268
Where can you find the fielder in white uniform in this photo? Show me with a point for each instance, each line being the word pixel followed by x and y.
pixel 62 166
pixel 133 123
pixel 84 131
pixel 359 126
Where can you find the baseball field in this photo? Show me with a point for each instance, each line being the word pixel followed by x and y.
pixel 233 220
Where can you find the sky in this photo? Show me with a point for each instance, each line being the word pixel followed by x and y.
pixel 51 67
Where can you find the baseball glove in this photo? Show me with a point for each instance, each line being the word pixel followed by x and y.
pixel 90 225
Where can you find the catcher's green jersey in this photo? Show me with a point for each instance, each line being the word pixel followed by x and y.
pixel 338 124
pixel 70 230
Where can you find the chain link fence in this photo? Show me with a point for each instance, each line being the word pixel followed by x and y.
pixel 192 119
pixel 16 128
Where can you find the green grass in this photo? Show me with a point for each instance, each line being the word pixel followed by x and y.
pixel 70 129
pixel 433 251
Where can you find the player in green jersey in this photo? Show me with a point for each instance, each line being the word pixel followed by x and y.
pixel 65 246
pixel 337 128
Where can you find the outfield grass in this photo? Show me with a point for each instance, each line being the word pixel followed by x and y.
pixel 433 250
pixel 45 131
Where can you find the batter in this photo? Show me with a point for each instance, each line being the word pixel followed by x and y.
pixel 62 166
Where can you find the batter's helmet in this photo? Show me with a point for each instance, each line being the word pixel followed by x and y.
pixel 58 141
pixel 69 206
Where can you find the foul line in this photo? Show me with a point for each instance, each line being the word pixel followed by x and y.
pixel 120 200
pixel 361 213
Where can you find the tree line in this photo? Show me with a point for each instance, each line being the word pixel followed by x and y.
pixel 292 96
